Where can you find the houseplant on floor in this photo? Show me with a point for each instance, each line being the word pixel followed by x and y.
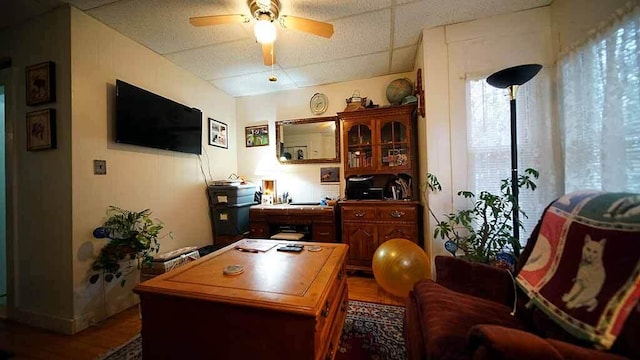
pixel 484 231
pixel 132 235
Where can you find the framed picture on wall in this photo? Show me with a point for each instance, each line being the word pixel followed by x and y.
pixel 41 83
pixel 256 135
pixel 330 174
pixel 218 133
pixel 41 130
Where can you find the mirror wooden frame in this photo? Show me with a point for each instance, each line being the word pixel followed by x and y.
pixel 280 132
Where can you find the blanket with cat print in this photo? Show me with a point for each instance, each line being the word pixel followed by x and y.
pixel 584 270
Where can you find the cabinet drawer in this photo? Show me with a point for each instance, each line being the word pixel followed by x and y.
pixel 331 307
pixel 323 232
pixel 358 213
pixel 258 230
pixel 398 213
pixel 331 346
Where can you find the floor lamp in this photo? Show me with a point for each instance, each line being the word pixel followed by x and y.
pixel 510 79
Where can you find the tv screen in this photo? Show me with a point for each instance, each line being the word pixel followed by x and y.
pixel 147 119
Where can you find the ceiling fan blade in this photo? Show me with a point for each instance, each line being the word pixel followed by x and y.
pixel 307 25
pixel 267 57
pixel 219 20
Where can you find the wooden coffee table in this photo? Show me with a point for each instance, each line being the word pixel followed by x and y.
pixel 283 306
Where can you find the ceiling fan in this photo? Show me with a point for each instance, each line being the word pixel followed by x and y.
pixel 265 12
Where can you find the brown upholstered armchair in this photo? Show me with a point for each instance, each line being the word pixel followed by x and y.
pixel 468 313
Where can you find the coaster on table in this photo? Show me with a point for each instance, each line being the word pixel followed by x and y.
pixel 233 270
pixel 314 248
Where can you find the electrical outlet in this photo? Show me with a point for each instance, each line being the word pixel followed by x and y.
pixel 100 167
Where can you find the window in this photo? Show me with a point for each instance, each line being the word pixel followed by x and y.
pixel 489 141
pixel 599 107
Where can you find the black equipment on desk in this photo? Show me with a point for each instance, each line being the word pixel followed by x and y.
pixel 361 188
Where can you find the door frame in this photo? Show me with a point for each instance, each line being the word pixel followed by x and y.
pixel 9 79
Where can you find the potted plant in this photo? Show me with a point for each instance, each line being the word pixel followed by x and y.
pixel 132 235
pixel 483 231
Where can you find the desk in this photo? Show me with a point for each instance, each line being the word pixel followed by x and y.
pixel 283 306
pixel 265 220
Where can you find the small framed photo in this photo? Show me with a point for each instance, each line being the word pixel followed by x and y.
pixel 218 133
pixel 330 175
pixel 41 130
pixel 257 135
pixel 41 83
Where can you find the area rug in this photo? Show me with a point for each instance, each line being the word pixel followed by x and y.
pixel 371 332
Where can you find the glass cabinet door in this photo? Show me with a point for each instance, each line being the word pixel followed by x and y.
pixel 359 147
pixel 394 145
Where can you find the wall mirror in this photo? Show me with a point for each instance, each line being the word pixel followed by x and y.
pixel 307 141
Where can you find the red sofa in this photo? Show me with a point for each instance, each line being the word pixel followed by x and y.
pixel 466 314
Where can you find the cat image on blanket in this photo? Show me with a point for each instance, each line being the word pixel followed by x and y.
pixel 590 277
pixel 624 208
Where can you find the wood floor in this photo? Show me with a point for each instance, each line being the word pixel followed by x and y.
pixel 31 343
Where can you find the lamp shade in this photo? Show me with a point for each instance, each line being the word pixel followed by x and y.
pixel 516 75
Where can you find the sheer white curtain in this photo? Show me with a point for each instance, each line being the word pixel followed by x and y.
pixel 599 107
pixel 489 141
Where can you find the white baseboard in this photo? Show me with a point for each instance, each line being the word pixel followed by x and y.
pixel 45 321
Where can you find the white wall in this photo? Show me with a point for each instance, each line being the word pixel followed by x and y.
pixel 301 181
pixel 169 183
pixel 451 54
pixel 40 215
pixel 57 201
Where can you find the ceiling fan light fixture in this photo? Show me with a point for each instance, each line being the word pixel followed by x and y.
pixel 265 31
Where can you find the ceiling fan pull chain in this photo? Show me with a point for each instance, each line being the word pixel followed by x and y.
pixel 273 77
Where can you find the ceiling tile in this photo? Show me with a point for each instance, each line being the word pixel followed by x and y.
pixel 90 4
pixel 330 9
pixel 254 84
pixel 360 67
pixel 163 26
pixel 228 56
pixel 224 60
pixel 411 18
pixel 403 59
pixel 363 34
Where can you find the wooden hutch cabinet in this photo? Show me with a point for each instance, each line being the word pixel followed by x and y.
pixel 381 145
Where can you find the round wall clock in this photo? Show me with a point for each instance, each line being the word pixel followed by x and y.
pixel 318 103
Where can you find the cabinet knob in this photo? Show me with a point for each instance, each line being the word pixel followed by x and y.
pixel 397 214
pixel 330 353
pixel 325 311
pixel 359 213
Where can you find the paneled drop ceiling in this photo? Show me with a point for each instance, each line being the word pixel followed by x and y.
pixel 371 37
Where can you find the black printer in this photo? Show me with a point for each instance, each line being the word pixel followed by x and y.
pixel 362 188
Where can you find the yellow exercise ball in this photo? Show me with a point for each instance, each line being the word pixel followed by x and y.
pixel 398 264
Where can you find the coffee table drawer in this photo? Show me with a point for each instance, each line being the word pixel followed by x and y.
pixel 326 340
pixel 323 321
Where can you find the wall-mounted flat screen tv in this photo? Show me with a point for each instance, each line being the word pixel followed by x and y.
pixel 146 119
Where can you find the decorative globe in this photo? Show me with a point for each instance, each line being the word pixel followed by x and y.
pixel 398 89
pixel 398 264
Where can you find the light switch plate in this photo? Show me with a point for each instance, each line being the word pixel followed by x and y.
pixel 100 167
